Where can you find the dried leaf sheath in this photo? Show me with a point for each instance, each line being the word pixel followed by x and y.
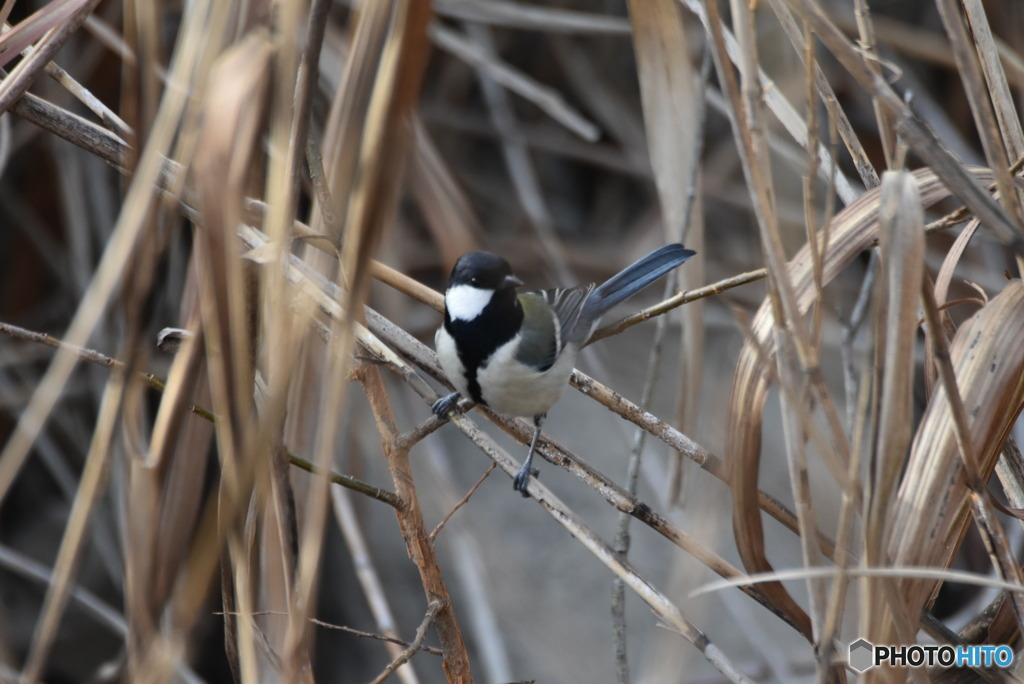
pixel 930 512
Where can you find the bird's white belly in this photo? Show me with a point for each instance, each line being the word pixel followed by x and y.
pixel 448 356
pixel 510 387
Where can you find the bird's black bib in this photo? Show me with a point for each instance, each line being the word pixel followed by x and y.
pixel 476 340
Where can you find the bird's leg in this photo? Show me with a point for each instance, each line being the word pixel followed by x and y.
pixel 522 478
pixel 445 405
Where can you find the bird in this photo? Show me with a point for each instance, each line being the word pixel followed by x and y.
pixel 515 352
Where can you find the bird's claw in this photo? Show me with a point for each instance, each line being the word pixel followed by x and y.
pixel 522 480
pixel 445 405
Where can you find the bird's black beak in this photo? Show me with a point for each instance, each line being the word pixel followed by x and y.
pixel 512 281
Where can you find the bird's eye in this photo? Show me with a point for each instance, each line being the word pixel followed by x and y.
pixel 474 280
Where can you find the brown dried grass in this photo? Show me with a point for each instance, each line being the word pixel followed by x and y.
pixel 262 154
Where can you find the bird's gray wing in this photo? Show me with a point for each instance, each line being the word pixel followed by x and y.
pixel 549 323
pixel 567 303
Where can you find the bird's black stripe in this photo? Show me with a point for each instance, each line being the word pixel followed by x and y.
pixel 476 340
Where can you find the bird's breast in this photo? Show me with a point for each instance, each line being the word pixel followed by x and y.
pixel 515 389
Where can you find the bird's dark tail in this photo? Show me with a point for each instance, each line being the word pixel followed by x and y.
pixel 629 281
pixel 639 275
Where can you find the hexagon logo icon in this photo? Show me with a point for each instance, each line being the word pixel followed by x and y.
pixel 862 655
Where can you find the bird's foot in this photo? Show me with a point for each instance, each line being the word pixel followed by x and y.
pixel 445 405
pixel 522 479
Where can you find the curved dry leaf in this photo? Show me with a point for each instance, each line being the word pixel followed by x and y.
pixel 942 282
pixel 852 231
pixel 952 258
pixel 930 513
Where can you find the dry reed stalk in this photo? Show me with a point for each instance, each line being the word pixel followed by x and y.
pixel 748 130
pixel 775 101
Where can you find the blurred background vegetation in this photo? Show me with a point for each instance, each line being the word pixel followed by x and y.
pixel 249 173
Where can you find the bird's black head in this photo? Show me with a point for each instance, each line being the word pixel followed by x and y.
pixel 483 270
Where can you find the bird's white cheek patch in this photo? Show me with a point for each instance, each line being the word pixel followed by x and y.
pixel 466 302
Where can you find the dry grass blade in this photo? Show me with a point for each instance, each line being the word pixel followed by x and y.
pixel 66 18
pixel 692 360
pixel 773 98
pixel 866 32
pixel 751 138
pixel 222 166
pixel 989 363
pixel 993 140
pixel 370 129
pixel 910 39
pixel 668 91
pixel 942 282
pixel 26 32
pixel 865 169
pixel 673 122
pixel 89 490
pixel 482 58
pixel 366 570
pixel 988 50
pixel 530 16
pixel 983 509
pixel 164 497
pixel 116 255
pixel 901 268
pixel 917 134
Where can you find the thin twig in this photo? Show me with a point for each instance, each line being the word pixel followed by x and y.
pixel 677 300
pixel 416 645
pixel 370 635
pixel 349 630
pixel 462 502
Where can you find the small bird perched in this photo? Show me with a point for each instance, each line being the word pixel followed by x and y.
pixel 515 352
